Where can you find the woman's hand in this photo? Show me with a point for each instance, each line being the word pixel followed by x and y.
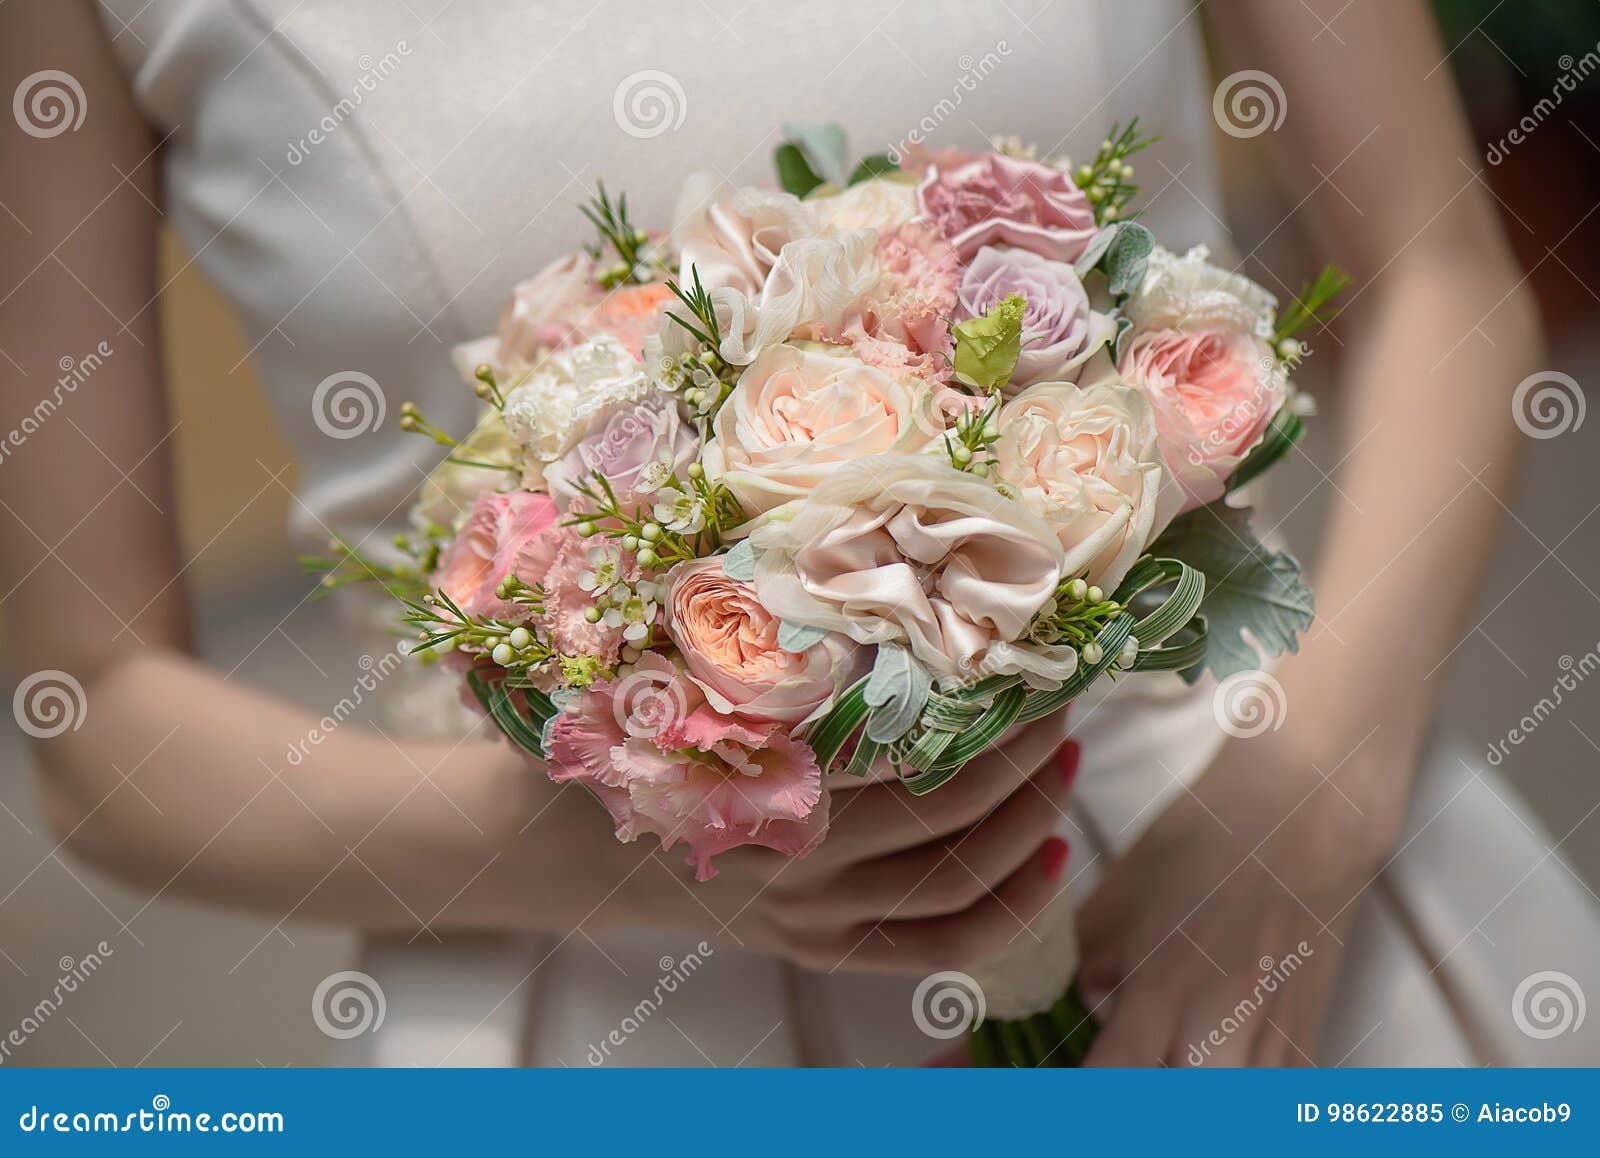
pixel 1216 939
pixel 900 884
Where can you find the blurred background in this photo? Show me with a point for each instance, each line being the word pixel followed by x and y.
pixel 252 978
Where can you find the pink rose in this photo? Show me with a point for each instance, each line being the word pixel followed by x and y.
pixel 638 447
pixel 1214 392
pixel 729 644
pixel 998 199
pixel 663 761
pixel 544 310
pixel 504 533
pixel 1059 330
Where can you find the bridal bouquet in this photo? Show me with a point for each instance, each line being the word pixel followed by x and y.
pixel 854 477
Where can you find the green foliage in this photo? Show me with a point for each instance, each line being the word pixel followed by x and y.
pixel 1277 440
pixel 1248 587
pixel 1312 298
pixel 630 243
pixel 795 175
pixel 1107 181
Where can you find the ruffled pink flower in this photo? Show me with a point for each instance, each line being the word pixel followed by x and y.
pixel 664 762
pixel 566 601
pixel 504 533
pixel 902 323
pixel 1002 200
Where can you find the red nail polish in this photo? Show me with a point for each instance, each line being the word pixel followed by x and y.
pixel 1067 757
pixel 1053 856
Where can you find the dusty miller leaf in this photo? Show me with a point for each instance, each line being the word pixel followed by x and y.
pixel 1248 587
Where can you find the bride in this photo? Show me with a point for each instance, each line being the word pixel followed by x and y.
pixel 366 180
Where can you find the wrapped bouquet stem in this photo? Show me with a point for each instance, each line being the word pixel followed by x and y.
pixel 852 477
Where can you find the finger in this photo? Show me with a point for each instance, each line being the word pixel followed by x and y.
pixel 957 940
pixel 883 818
pixel 1139 1029
pixel 1215 1031
pixel 942 876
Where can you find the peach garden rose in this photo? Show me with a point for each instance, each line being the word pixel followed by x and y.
pixel 729 643
pixel 797 414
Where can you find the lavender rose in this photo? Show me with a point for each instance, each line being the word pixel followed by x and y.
pixel 637 446
pixel 1059 330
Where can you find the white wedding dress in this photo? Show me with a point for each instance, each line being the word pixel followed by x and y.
pixel 366 179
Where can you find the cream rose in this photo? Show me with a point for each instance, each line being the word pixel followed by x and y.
pixel 1087 462
pixel 797 414
pixel 905 548
pixel 881 204
pixel 729 645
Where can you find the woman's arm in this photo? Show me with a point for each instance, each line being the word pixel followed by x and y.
pixel 1284 832
pixel 176 778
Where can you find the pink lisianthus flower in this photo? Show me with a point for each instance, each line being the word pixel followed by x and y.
pixel 1003 200
pixel 902 323
pixel 504 533
pixel 664 762
pixel 1213 391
